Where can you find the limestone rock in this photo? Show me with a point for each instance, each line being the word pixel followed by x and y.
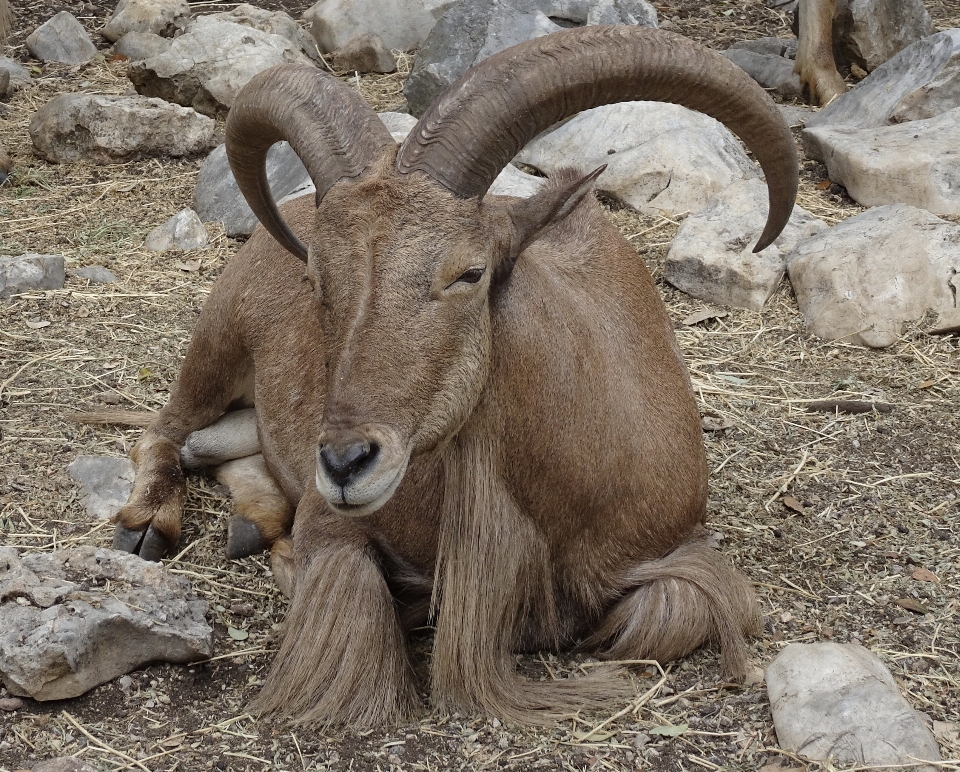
pixel 837 701
pixel 785 47
pixel 102 129
pixel 160 17
pixel 940 95
pixel 272 23
pixel 64 631
pixel 30 272
pixel 61 39
pixel 206 66
pixel 472 31
pixel 400 24
pixel 711 256
pixel 661 158
pixel 873 101
pixel 17 76
pixel 63 764
pixel 513 182
pixel 137 46
pixel 217 197
pixel 869 32
pixel 365 53
pixel 916 163
pixel 182 231
pixel 398 124
pixel 107 483
pixel 862 279
pixel 774 73
pixel 95 274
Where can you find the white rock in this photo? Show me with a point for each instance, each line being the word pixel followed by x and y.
pixel 471 31
pixel 711 256
pixel 513 182
pixel 30 272
pixel 107 483
pixel 938 96
pixel 872 102
pixel 837 701
pixel 76 632
pixel 774 73
pixel 102 128
pixel 184 230
pixel 400 24
pixel 271 22
pixel 61 39
pixel 160 17
pixel 916 163
pixel 206 66
pixel 862 279
pixel 661 158
pixel 398 124
pixel 137 46
pixel 95 274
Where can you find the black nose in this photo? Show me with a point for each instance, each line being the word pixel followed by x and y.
pixel 345 460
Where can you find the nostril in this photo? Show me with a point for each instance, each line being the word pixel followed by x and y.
pixel 345 461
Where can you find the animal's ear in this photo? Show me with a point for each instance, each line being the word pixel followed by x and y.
pixel 542 210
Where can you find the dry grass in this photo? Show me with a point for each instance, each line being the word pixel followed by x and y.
pixel 830 515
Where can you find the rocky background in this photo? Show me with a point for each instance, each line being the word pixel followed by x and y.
pixel 835 466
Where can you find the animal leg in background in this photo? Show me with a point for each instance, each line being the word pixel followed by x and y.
pixel 343 657
pixel 679 602
pixel 149 523
pixel 815 63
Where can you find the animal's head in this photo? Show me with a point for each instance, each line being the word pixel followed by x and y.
pixel 406 251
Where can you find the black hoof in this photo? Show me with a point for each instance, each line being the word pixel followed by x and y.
pixel 154 546
pixel 243 539
pixel 126 540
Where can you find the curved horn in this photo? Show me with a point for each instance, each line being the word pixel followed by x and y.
pixel 473 129
pixel 326 123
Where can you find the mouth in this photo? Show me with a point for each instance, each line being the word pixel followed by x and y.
pixel 366 495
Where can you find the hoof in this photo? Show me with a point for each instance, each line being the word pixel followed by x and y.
pixel 243 539
pixel 154 545
pixel 126 540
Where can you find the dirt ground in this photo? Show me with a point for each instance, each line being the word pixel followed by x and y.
pixel 847 524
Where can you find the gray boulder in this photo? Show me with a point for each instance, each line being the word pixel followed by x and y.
pixel 206 66
pixel 30 272
pixel 785 47
pixel 711 256
pixel 271 22
pixel 61 39
pixel 103 129
pixel 661 158
pixel 838 702
pixel 107 483
pixel 160 17
pixel 472 31
pixel 400 24
pixel 16 76
pixel 217 197
pixel 940 95
pixel 869 32
pixel 874 100
pixel 137 46
pixel 398 124
pixel 513 182
pixel 773 72
pixel 365 53
pixel 916 163
pixel 182 231
pixel 862 279
pixel 95 274
pixel 63 764
pixel 73 619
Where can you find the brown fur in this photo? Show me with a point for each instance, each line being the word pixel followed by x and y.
pixel 555 482
pixel 6 20
pixel 815 63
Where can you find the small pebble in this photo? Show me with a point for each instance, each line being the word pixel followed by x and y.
pixel 11 704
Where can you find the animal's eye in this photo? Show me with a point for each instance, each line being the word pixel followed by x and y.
pixel 470 276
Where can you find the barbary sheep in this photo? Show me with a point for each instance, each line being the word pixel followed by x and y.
pixel 474 405
pixel 815 63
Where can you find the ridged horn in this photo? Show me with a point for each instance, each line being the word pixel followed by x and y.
pixel 326 123
pixel 473 129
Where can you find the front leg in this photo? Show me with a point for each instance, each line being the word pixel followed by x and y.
pixel 343 659
pixel 815 64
